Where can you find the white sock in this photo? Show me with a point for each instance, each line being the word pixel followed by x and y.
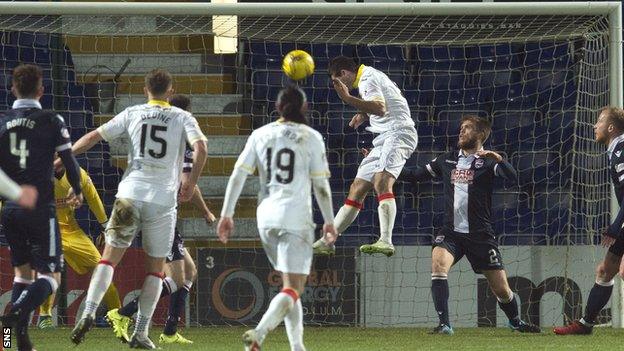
pixel 188 284
pixel 281 304
pixel 150 294
pixel 100 280
pixel 387 213
pixel 294 327
pixel 346 215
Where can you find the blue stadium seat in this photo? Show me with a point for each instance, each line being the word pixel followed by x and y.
pixel 444 58
pixel 511 128
pixel 449 121
pixel 552 210
pixel 538 168
pixel 441 80
pixel 490 57
pixel 547 55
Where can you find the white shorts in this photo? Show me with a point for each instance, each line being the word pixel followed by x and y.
pixel 390 152
pixel 288 251
pixel 156 222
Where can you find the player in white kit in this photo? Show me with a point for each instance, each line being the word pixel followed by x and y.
pixel 384 107
pixel 290 158
pixel 147 195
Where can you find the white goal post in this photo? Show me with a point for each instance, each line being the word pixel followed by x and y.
pixel 68 17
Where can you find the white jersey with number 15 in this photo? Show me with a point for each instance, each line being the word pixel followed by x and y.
pixel 158 134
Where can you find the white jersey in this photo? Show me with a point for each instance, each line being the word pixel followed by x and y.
pixel 158 133
pixel 288 156
pixel 374 85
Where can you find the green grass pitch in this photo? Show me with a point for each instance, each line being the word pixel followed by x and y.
pixel 347 339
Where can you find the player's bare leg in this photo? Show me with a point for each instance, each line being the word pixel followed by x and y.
pixel 598 297
pixel 497 279
pixel 183 273
pixel 346 214
pixel 285 306
pixel 383 182
pixel 441 262
pixel 100 281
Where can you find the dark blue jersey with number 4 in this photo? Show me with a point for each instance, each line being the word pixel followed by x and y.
pixel 29 137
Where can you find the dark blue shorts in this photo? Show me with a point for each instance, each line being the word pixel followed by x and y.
pixel 480 249
pixel 177 249
pixel 33 237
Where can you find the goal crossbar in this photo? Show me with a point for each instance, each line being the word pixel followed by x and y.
pixel 311 9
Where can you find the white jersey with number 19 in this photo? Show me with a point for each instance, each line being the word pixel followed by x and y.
pixel 158 134
pixel 288 156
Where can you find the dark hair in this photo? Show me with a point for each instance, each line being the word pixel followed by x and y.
pixel 290 100
pixel 158 81
pixel 27 80
pixel 615 116
pixel 482 125
pixel 339 63
pixel 180 101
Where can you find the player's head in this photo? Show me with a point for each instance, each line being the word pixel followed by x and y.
pixel 473 132
pixel 158 84
pixel 180 101
pixel 27 82
pixel 292 104
pixel 344 69
pixel 610 124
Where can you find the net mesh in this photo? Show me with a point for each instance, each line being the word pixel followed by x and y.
pixel 540 80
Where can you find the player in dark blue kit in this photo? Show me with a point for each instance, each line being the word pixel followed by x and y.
pixel 609 130
pixel 468 176
pixel 29 138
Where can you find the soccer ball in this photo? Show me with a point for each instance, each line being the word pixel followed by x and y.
pixel 298 64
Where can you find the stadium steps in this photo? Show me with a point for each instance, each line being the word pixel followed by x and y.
pixel 211 125
pixel 118 45
pixel 215 165
pixel 196 228
pixel 141 63
pixel 200 104
pixel 214 186
pixel 193 84
pixel 197 72
pixel 245 207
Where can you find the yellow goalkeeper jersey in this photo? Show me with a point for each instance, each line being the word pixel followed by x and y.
pixel 65 213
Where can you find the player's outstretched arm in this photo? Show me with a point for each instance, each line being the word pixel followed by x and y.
pixel 72 170
pixel 198 201
pixel 322 193
pixel 232 193
pixel 86 142
pixel 375 107
pixel 415 176
pixel 93 199
pixel 503 168
pixel 614 230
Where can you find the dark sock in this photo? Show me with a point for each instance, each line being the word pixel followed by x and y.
pixel 132 307
pixel 511 310
pixel 176 306
pixel 440 294
pixel 18 288
pixel 598 298
pixel 34 295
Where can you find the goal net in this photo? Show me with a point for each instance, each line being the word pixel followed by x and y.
pixel 540 78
